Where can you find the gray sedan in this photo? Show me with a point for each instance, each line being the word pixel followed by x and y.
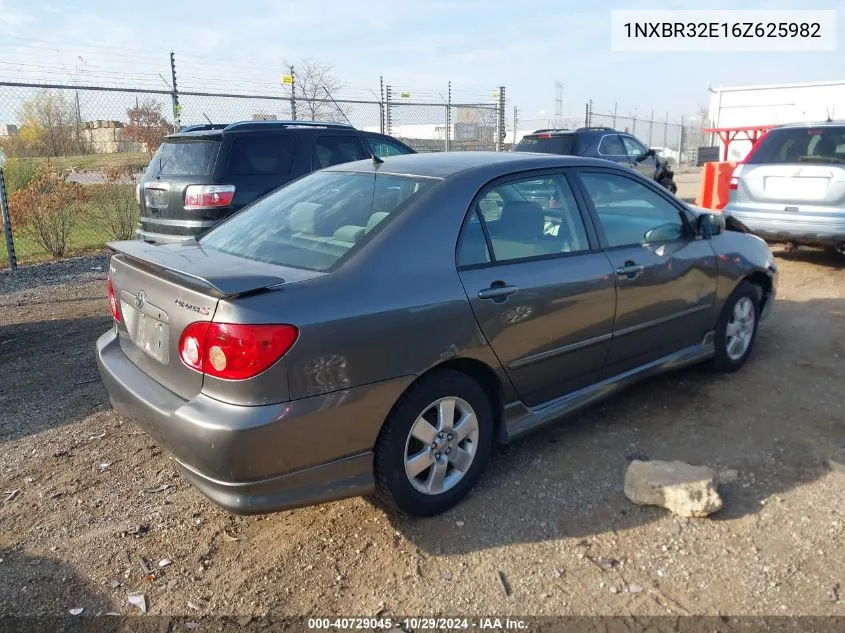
pixel 381 324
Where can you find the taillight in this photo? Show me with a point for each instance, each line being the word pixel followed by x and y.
pixel 113 305
pixel 208 196
pixel 138 193
pixel 232 351
pixel 544 135
pixel 734 181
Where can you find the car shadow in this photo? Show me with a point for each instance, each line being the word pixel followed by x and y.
pixel 776 421
pixel 815 256
pixel 39 592
pixel 48 374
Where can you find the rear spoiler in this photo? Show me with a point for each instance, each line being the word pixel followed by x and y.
pixel 214 272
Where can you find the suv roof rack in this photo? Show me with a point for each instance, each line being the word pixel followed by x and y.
pixel 596 128
pixel 263 125
pixel 202 127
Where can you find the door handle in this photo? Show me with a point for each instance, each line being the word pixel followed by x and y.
pixel 630 270
pixel 497 292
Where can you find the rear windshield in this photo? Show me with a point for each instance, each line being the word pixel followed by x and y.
pixel 184 158
pixel 314 221
pixel 824 144
pixel 562 144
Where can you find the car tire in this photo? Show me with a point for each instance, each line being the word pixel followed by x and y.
pixel 736 329
pixel 399 444
pixel 668 184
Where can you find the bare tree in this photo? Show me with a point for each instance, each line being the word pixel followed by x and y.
pixel 147 126
pixel 313 83
pixel 48 123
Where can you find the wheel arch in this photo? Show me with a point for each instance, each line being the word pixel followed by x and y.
pixel 762 281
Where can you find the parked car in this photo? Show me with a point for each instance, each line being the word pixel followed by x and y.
pixel 207 172
pixel 606 143
pixel 791 186
pixel 381 325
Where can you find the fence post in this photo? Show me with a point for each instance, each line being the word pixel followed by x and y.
pixel 614 115
pixel 388 115
pixel 587 114
pixel 448 116
pixel 515 124
pixel 175 94
pixel 500 119
pixel 292 94
pixel 381 103
pixel 681 142
pixel 666 132
pixel 634 123
pixel 7 223
pixel 650 127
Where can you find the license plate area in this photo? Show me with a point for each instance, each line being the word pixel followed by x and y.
pixel 796 188
pixel 149 334
pixel 157 197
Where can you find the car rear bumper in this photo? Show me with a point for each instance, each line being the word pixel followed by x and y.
pixel 801 227
pixel 254 459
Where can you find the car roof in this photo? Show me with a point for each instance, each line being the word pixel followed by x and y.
pixel 448 164
pixel 812 124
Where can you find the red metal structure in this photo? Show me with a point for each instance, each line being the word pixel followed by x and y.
pixel 728 135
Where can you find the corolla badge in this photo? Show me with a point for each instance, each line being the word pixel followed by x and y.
pixel 140 299
pixel 194 308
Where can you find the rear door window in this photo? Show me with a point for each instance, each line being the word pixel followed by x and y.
pixel 611 145
pixel 334 150
pixel 383 147
pixel 194 157
pixel 552 144
pixel 823 144
pixel 261 154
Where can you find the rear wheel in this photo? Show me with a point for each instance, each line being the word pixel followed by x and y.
pixel 737 328
pixel 434 445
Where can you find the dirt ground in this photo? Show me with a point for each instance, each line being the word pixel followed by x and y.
pixel 86 495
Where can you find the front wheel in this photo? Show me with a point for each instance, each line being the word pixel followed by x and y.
pixel 434 445
pixel 737 328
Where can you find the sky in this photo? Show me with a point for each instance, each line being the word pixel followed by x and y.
pixel 416 45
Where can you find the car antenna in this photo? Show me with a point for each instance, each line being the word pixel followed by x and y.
pixel 376 159
pixel 207 119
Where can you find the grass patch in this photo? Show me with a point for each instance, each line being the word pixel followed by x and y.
pixel 99 162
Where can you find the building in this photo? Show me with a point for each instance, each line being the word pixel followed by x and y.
pixel 745 106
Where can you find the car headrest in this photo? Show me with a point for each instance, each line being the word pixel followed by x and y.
pixel 523 219
pixel 375 218
pixel 303 217
pixel 349 233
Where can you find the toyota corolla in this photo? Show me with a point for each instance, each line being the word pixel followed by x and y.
pixel 379 325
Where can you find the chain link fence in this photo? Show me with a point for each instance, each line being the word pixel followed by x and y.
pixel 98 139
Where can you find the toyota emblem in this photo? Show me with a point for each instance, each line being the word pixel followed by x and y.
pixel 140 299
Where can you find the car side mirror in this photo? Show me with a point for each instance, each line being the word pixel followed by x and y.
pixel 710 224
pixel 650 153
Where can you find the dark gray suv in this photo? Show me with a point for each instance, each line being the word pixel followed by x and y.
pixel 208 172
pixel 382 324
pixel 605 143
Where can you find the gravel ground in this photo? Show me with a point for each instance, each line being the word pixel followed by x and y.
pixel 86 495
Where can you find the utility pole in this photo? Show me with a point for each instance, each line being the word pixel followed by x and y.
pixel 175 94
pixel 381 103
pixel 449 117
pixel 558 102
pixel 292 93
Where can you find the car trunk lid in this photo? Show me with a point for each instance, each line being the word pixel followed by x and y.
pixel 160 290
